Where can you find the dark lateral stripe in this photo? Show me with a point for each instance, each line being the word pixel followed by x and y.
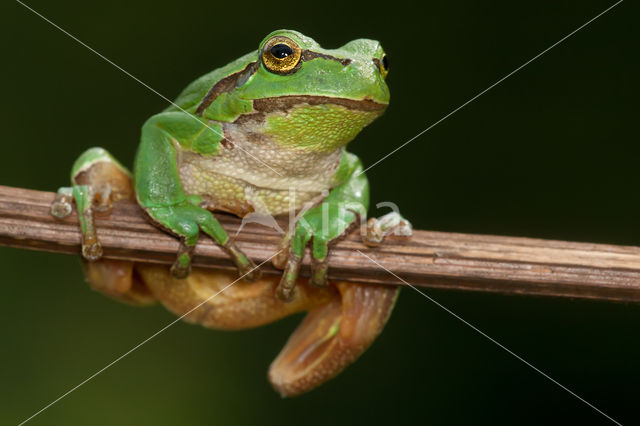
pixel 308 55
pixel 286 103
pixel 265 106
pixel 227 84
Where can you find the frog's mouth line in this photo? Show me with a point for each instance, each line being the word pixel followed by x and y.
pixel 286 103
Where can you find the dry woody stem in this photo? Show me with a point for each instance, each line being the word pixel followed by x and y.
pixel 509 265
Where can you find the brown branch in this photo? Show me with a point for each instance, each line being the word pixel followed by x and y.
pixel 430 259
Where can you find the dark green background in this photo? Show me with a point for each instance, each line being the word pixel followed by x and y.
pixel 548 153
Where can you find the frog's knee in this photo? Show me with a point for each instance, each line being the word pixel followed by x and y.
pixel 93 156
pixel 100 170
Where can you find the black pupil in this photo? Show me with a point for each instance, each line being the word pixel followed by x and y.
pixel 385 62
pixel 281 51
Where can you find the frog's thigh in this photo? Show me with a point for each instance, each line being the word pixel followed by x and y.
pixel 207 298
pixel 98 169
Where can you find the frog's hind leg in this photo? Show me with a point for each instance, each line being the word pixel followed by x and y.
pixel 343 319
pixel 98 180
pixel 118 280
pixel 332 336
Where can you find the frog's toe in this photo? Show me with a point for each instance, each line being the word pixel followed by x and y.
pixel 61 206
pixel 91 250
pixel 286 288
pixel 391 224
pixel 249 271
pixel 286 293
pixel 61 209
pixel 319 262
pixel 247 268
pixel 180 271
pixel 279 261
pixel 181 267
pixel 319 272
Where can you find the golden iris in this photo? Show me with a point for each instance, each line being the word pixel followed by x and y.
pixel 281 55
pixel 383 65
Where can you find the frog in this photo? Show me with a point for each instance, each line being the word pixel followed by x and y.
pixel 265 134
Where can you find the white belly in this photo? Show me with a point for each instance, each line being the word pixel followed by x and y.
pixel 241 181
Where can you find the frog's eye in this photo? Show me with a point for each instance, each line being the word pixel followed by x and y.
pixel 383 65
pixel 281 55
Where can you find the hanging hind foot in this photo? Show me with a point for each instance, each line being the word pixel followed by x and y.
pixel 343 319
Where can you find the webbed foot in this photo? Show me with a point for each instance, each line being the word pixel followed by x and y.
pixel 98 180
pixel 62 206
pixel 342 320
pixel 331 337
pixel 320 226
pixel 87 202
pixel 186 220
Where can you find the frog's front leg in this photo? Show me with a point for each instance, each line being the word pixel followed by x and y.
pixel 97 181
pixel 160 192
pixel 325 223
pixel 377 229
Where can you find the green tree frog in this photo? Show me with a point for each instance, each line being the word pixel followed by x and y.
pixel 264 134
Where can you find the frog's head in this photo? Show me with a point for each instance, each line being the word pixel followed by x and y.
pixel 302 95
pixel 293 64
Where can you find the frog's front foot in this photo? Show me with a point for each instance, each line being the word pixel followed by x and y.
pixel 377 229
pixel 320 226
pixel 97 180
pixel 313 227
pixel 62 206
pixel 186 220
pixel 247 269
pixel 86 200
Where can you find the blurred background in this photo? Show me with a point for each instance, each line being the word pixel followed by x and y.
pixel 547 153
